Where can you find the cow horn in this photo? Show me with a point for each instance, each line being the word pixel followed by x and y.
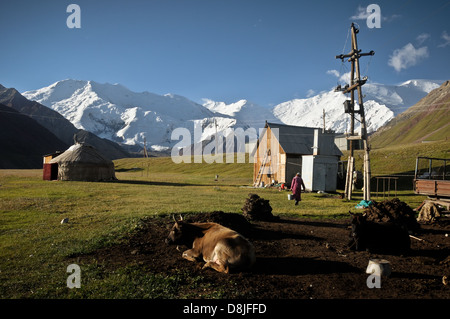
pixel 173 217
pixel 181 218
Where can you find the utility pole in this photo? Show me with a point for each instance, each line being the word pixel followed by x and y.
pixel 355 84
pixel 146 155
pixel 323 129
pixel 145 148
pixel 216 138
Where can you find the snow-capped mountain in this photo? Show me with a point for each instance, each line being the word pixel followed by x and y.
pixel 243 111
pixel 381 104
pixel 309 112
pixel 114 112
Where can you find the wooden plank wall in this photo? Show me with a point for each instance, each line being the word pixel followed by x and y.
pixel 279 160
pixel 432 187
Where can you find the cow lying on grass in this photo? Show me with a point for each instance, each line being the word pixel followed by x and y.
pixel 375 237
pixel 221 248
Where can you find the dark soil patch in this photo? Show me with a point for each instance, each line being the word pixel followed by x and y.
pixel 296 259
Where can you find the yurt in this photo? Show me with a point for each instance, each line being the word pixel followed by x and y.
pixel 82 162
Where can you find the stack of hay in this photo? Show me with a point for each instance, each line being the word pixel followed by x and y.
pixel 257 208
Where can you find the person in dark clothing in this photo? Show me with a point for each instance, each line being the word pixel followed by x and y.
pixel 296 187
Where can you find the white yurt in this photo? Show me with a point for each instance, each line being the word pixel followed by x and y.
pixel 82 162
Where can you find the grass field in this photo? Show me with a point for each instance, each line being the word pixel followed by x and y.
pixel 35 247
pixel 400 160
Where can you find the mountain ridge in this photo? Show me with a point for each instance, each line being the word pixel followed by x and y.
pixel 427 120
pixel 58 124
pixel 381 104
pixel 114 112
pixel 24 141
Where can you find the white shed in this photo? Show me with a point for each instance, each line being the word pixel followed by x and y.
pixel 319 172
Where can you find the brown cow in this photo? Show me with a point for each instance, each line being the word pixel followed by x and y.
pixel 221 248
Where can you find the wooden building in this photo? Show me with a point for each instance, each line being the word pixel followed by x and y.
pixel 282 150
pixel 50 170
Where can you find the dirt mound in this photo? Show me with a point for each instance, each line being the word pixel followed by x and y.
pixel 394 211
pixel 257 208
pixel 234 221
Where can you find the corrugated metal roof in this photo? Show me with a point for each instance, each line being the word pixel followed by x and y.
pixel 300 140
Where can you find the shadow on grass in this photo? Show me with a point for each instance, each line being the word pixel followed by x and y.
pixel 154 183
pixel 314 221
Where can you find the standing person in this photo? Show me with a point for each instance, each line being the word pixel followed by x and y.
pixel 296 186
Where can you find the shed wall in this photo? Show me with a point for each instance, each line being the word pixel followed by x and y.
pixel 319 173
pixel 293 166
pixel 275 166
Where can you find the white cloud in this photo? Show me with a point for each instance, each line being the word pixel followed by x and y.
pixel 333 72
pixel 345 77
pixel 446 38
pixel 407 56
pixel 421 38
pixel 392 17
pixel 310 93
pixel 362 14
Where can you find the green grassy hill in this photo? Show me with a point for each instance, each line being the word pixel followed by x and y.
pixel 400 160
pixel 428 120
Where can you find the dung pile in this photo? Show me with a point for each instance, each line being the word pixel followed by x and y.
pixel 257 208
pixel 233 221
pixel 393 211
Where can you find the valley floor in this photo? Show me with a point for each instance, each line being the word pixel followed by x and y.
pixel 115 233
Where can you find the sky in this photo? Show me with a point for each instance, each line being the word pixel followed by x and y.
pixel 264 51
